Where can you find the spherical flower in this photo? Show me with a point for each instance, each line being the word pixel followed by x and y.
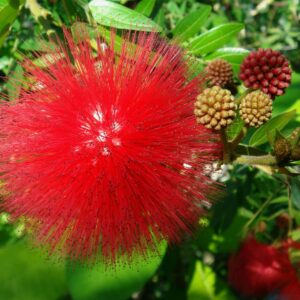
pixel 93 156
pixel 256 108
pixel 219 72
pixel 290 292
pixel 215 108
pixel 258 269
pixel 267 70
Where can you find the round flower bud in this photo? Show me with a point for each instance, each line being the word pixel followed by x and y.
pixel 256 108
pixel 219 72
pixel 267 70
pixel 215 108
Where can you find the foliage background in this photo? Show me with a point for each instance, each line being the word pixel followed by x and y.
pixel 255 201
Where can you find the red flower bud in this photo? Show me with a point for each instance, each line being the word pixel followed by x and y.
pixel 266 66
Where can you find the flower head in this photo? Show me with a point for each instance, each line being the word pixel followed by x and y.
pixel 258 269
pixel 267 70
pixel 94 153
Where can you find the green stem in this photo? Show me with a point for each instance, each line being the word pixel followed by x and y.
pixel 235 142
pixel 226 147
pixel 258 212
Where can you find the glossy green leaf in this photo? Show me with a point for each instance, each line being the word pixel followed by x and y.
pixel 28 274
pixel 9 11
pixel 102 282
pixel 214 38
pixel 145 7
pixel 267 131
pixel 191 24
pixel 115 15
pixel 234 56
pixel 206 285
pixel 160 18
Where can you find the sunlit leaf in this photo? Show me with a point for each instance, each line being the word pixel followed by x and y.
pixel 27 274
pixel 9 11
pixel 191 24
pixel 206 285
pixel 214 38
pixel 104 282
pixel 265 132
pixel 115 15
pixel 145 7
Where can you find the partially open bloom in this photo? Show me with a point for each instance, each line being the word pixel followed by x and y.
pixel 93 154
pixel 257 270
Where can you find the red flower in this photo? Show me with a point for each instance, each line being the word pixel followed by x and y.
pixel 258 269
pixel 105 153
pixel 290 292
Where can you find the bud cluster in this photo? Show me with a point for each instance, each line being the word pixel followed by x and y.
pixel 256 108
pixel 215 108
pixel 219 72
pixel 267 70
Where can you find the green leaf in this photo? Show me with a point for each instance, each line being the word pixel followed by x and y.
pixel 205 285
pixel 234 56
pixel 160 18
pixel 115 15
pixel 9 11
pixel 262 134
pixel 214 38
pixel 191 24
pixel 145 7
pixel 101 282
pixel 295 235
pixel 235 128
pixel 295 192
pixel 28 274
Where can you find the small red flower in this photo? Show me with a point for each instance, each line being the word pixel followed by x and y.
pixel 258 269
pixel 267 70
pixel 104 151
pixel 290 292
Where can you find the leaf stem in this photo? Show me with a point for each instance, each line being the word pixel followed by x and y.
pixel 266 160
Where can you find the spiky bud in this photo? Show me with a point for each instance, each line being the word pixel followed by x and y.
pixel 215 108
pixel 256 108
pixel 219 72
pixel 267 70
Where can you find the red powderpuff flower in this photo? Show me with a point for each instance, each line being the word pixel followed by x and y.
pixel 290 292
pixel 258 269
pixel 267 70
pixel 104 153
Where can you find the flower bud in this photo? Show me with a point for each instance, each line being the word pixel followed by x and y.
pixel 215 108
pixel 219 72
pixel 256 108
